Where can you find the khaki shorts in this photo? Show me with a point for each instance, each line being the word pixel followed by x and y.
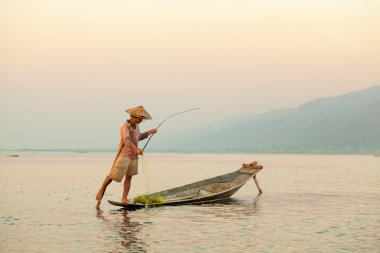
pixel 124 166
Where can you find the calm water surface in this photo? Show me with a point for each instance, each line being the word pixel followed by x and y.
pixel 311 203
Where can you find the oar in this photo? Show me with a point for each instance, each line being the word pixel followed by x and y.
pixel 166 120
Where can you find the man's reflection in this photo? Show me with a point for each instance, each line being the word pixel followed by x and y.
pixel 127 229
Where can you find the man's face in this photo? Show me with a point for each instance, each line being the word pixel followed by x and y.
pixel 136 120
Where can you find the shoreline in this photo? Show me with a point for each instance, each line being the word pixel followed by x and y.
pixel 84 151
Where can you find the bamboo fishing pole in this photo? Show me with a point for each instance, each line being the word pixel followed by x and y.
pixel 175 114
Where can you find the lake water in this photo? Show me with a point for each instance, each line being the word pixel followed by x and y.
pixel 311 203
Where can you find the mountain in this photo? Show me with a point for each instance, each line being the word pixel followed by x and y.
pixel 348 123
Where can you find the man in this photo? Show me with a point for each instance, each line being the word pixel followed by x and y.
pixel 125 163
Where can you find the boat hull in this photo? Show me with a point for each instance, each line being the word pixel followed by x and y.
pixel 205 191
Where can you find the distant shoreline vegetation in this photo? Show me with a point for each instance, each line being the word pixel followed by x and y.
pixel 59 150
pixel 347 150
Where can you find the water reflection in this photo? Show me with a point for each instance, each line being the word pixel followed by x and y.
pixel 241 202
pixel 128 230
pixel 236 206
pixel 255 204
pixel 133 232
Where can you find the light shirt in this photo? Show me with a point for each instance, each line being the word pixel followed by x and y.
pixel 130 135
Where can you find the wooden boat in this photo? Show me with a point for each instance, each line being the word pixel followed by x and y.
pixel 205 191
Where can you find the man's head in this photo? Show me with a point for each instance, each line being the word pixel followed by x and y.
pixel 138 114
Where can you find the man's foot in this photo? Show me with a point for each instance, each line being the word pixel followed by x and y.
pixel 125 201
pixel 99 197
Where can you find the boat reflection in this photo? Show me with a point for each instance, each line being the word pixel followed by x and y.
pixel 230 207
pixel 237 202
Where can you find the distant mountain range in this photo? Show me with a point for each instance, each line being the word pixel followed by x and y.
pixel 348 123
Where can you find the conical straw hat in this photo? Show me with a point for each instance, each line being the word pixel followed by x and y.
pixel 139 112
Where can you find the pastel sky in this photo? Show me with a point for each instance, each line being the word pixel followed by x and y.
pixel 68 69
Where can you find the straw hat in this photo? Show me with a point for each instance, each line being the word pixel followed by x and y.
pixel 139 112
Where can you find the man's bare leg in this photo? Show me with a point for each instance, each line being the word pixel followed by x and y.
pixel 127 186
pixel 102 190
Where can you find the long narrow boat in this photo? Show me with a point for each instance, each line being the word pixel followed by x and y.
pixel 205 191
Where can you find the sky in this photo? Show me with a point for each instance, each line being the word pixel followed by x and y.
pixel 69 69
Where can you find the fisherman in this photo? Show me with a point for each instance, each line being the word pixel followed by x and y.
pixel 125 163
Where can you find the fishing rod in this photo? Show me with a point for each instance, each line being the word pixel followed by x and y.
pixel 175 114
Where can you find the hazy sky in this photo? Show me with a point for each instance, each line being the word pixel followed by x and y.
pixel 68 69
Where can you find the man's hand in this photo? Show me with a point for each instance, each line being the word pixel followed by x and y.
pixel 152 131
pixel 139 152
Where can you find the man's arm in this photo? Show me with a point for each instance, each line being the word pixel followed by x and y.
pixel 146 134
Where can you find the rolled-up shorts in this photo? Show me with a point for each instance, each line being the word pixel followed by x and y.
pixel 124 166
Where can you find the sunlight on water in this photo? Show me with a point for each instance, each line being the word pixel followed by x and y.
pixel 311 203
